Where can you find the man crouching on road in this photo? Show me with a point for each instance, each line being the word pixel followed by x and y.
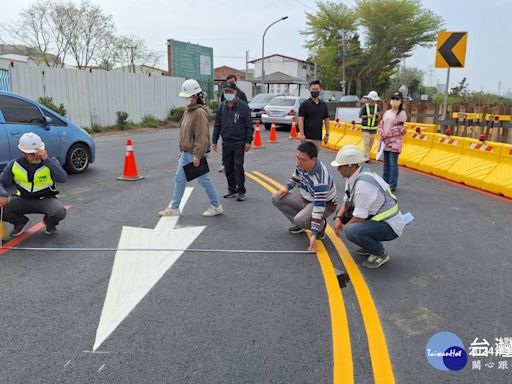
pixel 369 213
pixel 316 199
pixel 34 175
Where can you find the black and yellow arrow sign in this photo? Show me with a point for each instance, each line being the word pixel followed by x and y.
pixel 451 49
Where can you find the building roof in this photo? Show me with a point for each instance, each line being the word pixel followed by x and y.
pixel 220 73
pixel 276 54
pixel 279 78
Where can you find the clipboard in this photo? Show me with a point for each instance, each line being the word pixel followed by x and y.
pixel 192 172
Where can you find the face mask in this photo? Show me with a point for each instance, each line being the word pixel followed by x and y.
pixel 229 96
pixel 395 103
pixel 190 101
pixel 315 94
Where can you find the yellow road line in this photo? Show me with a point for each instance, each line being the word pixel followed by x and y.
pixel 343 367
pixel 379 355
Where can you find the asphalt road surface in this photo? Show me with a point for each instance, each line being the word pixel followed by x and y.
pixel 240 317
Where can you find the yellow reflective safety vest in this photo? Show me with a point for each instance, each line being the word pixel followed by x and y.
pixel 390 206
pixel 35 184
pixel 371 119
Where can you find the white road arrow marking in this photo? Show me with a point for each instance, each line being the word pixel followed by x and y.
pixel 134 273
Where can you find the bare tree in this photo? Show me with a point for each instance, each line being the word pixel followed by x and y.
pixel 62 30
pixel 133 51
pixel 34 30
pixel 91 28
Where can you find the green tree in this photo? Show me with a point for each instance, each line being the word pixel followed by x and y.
pixel 391 30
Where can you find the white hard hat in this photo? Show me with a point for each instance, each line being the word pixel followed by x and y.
pixel 373 95
pixel 190 88
pixel 348 155
pixel 30 143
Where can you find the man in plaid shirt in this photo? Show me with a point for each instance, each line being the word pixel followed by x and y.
pixel 316 199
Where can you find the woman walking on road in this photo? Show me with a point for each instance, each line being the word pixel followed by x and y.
pixel 194 145
pixel 391 131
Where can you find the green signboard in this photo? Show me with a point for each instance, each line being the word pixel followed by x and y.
pixel 191 61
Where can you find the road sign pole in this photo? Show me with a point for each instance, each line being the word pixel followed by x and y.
pixel 445 104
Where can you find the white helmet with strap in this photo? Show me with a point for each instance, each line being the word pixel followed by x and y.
pixel 190 88
pixel 348 155
pixel 30 143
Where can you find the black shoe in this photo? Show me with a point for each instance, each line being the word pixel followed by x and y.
pixel 296 229
pixel 51 230
pixel 230 195
pixel 240 196
pixel 321 235
pixel 20 228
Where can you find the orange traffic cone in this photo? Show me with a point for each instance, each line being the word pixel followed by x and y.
pixel 130 168
pixel 257 136
pixel 273 134
pixel 293 130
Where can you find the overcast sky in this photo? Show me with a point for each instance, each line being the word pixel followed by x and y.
pixel 232 27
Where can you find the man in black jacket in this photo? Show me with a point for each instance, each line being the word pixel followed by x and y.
pixel 241 95
pixel 234 124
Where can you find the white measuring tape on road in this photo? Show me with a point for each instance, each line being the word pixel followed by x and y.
pixel 196 250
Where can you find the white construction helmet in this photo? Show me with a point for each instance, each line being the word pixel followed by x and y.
pixel 348 155
pixel 190 88
pixel 373 95
pixel 30 143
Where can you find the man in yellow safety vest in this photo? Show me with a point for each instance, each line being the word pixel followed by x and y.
pixel 370 115
pixel 35 175
pixel 369 213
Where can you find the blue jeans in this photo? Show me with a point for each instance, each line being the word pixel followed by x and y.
pixel 390 174
pixel 180 181
pixel 369 234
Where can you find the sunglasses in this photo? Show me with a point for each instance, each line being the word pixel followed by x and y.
pixel 395 98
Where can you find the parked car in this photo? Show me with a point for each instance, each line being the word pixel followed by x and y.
pixel 70 144
pixel 281 110
pixel 258 102
pixel 349 99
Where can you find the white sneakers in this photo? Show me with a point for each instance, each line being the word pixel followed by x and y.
pixel 213 211
pixel 170 212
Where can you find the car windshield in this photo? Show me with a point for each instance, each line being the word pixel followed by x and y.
pixel 282 102
pixel 262 98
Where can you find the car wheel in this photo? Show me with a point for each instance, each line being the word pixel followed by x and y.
pixel 267 126
pixel 78 158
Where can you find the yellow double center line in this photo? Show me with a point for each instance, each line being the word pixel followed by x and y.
pixel 343 370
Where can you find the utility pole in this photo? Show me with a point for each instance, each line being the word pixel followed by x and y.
pixel 132 63
pixel 341 41
pixel 247 65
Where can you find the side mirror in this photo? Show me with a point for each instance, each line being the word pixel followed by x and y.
pixel 47 122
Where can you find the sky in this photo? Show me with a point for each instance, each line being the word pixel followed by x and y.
pixel 236 26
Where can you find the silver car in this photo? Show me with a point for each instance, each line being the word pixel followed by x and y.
pixel 281 110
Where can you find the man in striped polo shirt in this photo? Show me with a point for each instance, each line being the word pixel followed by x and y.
pixel 316 199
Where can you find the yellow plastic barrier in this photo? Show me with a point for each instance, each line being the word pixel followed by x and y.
pixel 467 116
pixel 478 160
pixel 446 150
pixel 416 147
pixel 353 135
pixel 336 133
pixel 375 147
pixel 499 181
pixel 429 128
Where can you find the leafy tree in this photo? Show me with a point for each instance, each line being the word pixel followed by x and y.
pixel 391 30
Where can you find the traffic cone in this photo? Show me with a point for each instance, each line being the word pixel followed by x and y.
pixel 257 136
pixel 273 134
pixel 293 130
pixel 130 168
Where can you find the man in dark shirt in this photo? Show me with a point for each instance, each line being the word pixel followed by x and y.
pixel 241 95
pixel 234 124
pixel 312 113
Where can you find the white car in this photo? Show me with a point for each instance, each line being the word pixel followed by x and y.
pixel 281 110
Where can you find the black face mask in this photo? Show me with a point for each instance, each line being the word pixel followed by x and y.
pixel 315 94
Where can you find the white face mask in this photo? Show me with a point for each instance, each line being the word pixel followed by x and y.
pixel 190 100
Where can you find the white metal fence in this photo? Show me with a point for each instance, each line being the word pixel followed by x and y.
pixel 95 97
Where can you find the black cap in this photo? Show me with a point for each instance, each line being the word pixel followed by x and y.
pixel 399 95
pixel 229 85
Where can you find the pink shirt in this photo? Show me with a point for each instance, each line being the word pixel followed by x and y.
pixel 391 131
